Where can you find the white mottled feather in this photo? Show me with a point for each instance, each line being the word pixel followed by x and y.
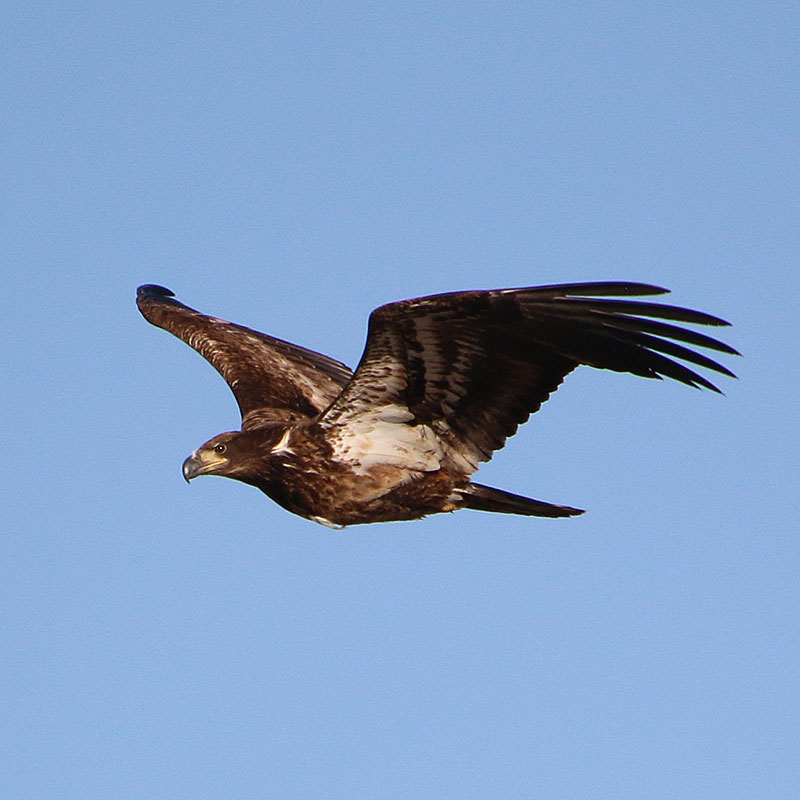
pixel 282 447
pixel 382 436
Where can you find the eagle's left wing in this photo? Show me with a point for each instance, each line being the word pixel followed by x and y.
pixel 269 377
pixel 472 366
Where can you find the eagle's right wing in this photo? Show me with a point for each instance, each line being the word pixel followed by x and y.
pixel 270 378
pixel 474 365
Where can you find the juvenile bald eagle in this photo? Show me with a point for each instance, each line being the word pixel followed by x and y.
pixel 443 381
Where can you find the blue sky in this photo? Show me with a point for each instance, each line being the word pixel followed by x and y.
pixel 290 166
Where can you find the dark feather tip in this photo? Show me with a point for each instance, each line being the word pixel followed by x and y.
pixel 152 291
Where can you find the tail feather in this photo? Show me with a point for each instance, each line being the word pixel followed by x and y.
pixel 485 498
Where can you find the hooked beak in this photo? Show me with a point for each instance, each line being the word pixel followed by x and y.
pixel 192 467
pixel 201 462
pixel 206 460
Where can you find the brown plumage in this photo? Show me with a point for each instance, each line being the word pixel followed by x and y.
pixel 443 382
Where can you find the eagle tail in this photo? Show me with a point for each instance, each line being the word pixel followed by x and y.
pixel 485 498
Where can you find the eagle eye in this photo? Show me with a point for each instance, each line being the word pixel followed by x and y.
pixel 220 448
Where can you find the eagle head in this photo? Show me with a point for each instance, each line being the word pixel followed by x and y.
pixel 242 455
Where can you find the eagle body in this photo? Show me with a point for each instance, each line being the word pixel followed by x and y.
pixel 442 383
pixel 371 478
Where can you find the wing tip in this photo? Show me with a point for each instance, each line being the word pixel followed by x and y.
pixel 152 291
pixel 601 289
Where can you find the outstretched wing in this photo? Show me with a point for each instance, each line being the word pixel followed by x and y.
pixel 270 379
pixel 475 365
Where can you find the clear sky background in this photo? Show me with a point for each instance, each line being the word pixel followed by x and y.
pixel 290 166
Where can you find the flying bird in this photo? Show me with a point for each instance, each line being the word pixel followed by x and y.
pixel 443 381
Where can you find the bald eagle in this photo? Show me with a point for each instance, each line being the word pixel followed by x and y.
pixel 443 381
